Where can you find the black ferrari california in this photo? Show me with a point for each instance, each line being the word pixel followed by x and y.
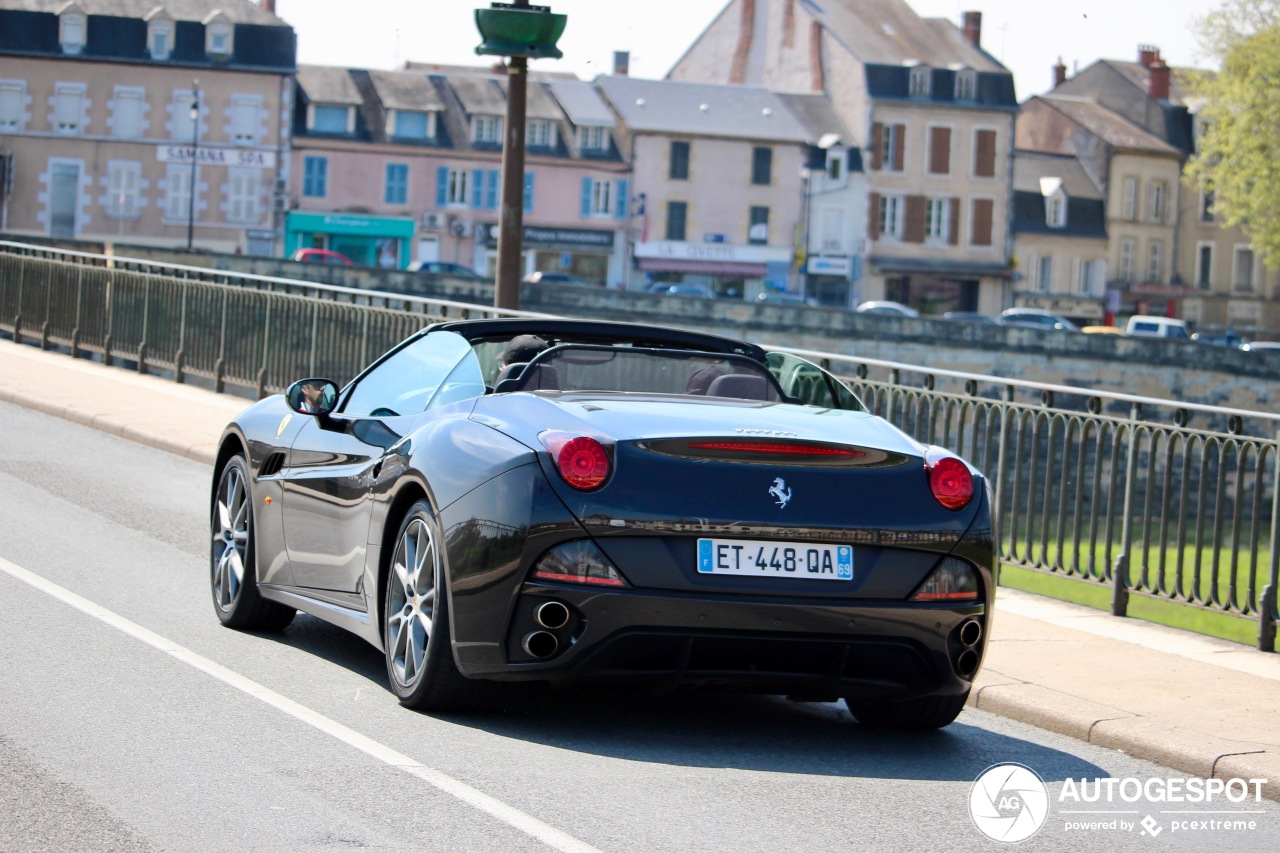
pixel 605 503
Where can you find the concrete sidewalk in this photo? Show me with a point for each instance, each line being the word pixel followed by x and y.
pixel 1202 706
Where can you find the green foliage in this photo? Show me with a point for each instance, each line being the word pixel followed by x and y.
pixel 1238 151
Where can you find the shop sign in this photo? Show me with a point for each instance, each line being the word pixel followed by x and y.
pixel 1069 306
pixel 535 235
pixel 722 252
pixel 238 157
pixel 830 266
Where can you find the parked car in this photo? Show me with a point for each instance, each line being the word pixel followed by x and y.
pixel 558 278
pixel 321 256
pixel 969 317
pixel 1227 339
pixel 1152 326
pixel 446 268
pixel 699 290
pixel 886 307
pixel 479 521
pixel 1036 318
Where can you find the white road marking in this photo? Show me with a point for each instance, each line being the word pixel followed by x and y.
pixel 492 806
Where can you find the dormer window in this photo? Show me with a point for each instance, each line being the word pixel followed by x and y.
pixel 1055 202
pixel 218 39
pixel 540 134
pixel 920 79
pixel 326 118
pixel 835 164
pixel 593 138
pixel 160 39
pixel 413 124
pixel 966 85
pixel 486 129
pixel 72 31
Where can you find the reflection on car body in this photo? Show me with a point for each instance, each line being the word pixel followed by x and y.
pixel 632 505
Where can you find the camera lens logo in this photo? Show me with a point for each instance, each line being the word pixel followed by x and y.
pixel 1009 802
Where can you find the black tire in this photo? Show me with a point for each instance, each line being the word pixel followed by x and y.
pixel 233 568
pixel 415 627
pixel 925 712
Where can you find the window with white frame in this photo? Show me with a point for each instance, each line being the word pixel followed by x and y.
pixel 244 119
pixel 123 181
pixel 892 146
pixel 1156 201
pixel 593 138
pixel 1204 266
pixel 602 198
pixel 540 134
pixel 160 39
pixel 1055 210
pixel 1242 269
pixel 1128 249
pixel 13 105
pixel 1044 274
pixel 177 197
pixel 68 108
pixel 891 210
pixel 71 32
pixel 328 118
pixel 1155 261
pixel 126 112
pixel 243 191
pixel 486 129
pixel 1091 277
pixel 937 221
pixel 455 194
pixel 414 124
pixel 920 78
pixel 182 128
pixel 218 40
pixel 966 85
pixel 1130 199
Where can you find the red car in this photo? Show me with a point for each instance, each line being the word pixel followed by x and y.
pixel 321 256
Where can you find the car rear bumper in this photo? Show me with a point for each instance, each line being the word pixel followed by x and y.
pixel 809 648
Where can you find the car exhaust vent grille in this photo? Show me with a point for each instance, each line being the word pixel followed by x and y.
pixel 271 465
pixel 772 451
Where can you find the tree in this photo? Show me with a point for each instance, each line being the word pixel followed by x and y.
pixel 1237 157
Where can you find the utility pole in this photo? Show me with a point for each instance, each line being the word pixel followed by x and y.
pixel 195 144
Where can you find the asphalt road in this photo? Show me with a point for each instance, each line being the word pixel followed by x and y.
pixel 131 720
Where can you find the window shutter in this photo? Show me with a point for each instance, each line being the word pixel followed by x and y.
pixel 621 202
pixel 491 190
pixel 442 186
pixel 477 188
pixel 528 192
pixel 877 145
pixel 954 237
pixel 981 222
pixel 940 150
pixel 873 217
pixel 899 146
pixel 984 165
pixel 913 227
pixel 586 197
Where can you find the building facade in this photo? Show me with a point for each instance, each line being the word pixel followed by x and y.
pixel 110 116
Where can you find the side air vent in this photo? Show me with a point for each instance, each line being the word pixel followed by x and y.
pixel 271 465
pixel 774 451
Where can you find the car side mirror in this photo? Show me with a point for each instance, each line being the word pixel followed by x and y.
pixel 313 396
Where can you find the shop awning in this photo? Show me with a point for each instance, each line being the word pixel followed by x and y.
pixel 725 268
pixel 940 268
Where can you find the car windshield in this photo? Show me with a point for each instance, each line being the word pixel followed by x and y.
pixel 581 367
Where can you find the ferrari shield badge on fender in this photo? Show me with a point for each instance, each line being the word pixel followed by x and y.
pixel 780 491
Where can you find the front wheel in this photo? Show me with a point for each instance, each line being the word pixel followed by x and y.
pixel 925 712
pixel 233 567
pixel 420 664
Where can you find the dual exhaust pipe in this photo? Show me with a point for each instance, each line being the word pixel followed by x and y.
pixel 551 616
pixel 970 634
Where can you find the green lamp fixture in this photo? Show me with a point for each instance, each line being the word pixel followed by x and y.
pixel 520 30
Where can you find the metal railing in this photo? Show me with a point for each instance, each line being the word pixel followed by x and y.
pixel 1172 501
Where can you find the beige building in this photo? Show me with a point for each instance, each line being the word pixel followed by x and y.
pixel 931 111
pixel 107 127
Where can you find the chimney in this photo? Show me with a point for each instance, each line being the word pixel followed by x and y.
pixel 1147 54
pixel 973 28
pixel 622 63
pixel 1159 86
pixel 1059 73
pixel 268 5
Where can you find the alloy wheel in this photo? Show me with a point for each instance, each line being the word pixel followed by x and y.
pixel 231 531
pixel 411 597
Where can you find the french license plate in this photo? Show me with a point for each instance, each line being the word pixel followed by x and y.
pixel 760 558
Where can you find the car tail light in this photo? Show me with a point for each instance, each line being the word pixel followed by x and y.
pixel 949 479
pixel 953 580
pixel 579 561
pixel 583 462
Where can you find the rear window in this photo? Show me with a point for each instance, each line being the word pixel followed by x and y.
pixel 1145 329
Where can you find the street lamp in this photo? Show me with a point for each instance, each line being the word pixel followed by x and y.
pixel 519 31
pixel 195 142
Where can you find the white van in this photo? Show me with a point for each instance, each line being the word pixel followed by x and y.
pixel 1151 326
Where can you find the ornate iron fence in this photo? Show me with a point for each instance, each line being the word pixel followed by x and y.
pixel 1169 500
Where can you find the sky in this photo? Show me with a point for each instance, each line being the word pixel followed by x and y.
pixel 1027 36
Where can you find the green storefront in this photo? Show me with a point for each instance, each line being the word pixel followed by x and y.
pixel 369 240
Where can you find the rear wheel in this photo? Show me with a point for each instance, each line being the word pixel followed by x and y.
pixel 415 634
pixel 233 566
pixel 925 712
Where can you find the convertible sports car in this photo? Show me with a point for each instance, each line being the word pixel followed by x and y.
pixel 588 502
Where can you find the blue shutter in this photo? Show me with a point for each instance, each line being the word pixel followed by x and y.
pixel 442 186
pixel 623 201
pixel 477 188
pixel 586 197
pixel 491 190
pixel 528 192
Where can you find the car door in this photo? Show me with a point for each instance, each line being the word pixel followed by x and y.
pixel 334 459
